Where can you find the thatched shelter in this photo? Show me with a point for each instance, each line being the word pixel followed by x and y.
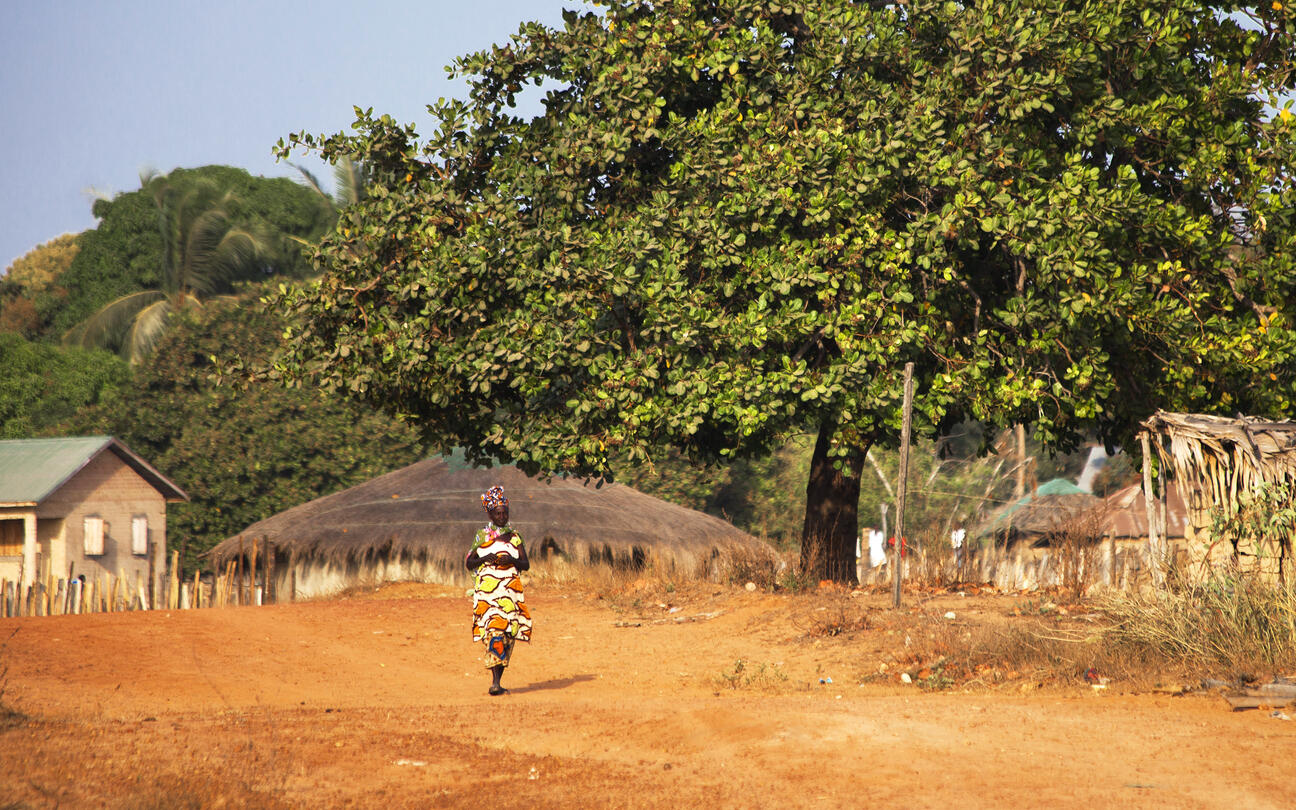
pixel 415 524
pixel 1035 517
pixel 1222 465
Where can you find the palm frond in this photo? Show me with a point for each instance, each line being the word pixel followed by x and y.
pixel 104 327
pixel 211 267
pixel 146 329
pixel 312 182
pixel 351 181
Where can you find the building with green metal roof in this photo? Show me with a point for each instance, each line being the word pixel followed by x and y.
pixel 84 506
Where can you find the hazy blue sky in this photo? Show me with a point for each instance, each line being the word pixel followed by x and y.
pixel 94 92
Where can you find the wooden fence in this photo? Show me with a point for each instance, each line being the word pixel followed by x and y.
pixel 240 582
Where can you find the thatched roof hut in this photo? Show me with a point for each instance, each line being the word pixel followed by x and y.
pixel 1220 464
pixel 1051 508
pixel 416 524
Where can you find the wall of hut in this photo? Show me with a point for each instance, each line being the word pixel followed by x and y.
pixel 1125 563
pixel 311 576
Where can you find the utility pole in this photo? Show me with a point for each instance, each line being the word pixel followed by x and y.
pixel 905 429
pixel 1019 486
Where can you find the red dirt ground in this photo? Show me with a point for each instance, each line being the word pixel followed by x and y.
pixel 378 700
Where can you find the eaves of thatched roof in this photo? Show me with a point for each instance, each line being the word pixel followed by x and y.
pixel 432 509
pixel 1219 459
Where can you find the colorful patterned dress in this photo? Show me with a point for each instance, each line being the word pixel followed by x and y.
pixel 500 614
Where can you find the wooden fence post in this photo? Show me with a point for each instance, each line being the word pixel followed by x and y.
pixel 252 573
pixel 1149 503
pixel 905 429
pixel 272 587
pixel 173 582
pixel 151 549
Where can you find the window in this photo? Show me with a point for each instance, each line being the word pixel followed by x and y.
pixel 139 535
pixel 94 535
pixel 11 538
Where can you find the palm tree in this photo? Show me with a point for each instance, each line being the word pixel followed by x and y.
pixel 202 249
pixel 350 183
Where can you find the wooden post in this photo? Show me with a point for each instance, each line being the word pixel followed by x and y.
pixel 28 574
pixel 1149 503
pixel 1019 484
pixel 239 568
pixel 906 426
pixel 292 574
pixel 197 591
pixel 252 571
pixel 1163 531
pixel 151 549
pixel 173 582
pixel 271 586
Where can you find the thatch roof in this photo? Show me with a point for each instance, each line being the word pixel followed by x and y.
pixel 431 510
pixel 1051 508
pixel 1217 459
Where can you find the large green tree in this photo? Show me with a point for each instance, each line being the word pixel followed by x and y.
pixel 240 454
pixel 127 252
pixel 42 385
pixel 737 219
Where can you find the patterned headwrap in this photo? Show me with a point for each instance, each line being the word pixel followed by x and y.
pixel 494 497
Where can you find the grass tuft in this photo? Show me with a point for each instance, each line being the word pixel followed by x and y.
pixel 752 675
pixel 1240 623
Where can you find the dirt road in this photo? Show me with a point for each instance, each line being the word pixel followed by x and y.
pixel 710 698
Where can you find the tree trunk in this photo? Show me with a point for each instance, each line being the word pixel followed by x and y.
pixel 832 514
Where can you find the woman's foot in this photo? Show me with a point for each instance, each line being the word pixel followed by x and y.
pixel 497 690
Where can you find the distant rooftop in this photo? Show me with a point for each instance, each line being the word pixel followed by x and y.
pixel 33 469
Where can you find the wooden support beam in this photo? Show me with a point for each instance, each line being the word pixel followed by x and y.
pixel 897 575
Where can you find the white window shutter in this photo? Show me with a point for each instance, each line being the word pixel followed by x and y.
pixel 139 535
pixel 94 535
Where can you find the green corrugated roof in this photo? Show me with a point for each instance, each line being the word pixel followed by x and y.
pixel 1050 489
pixel 32 469
pixel 1060 486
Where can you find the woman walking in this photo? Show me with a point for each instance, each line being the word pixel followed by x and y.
pixel 500 615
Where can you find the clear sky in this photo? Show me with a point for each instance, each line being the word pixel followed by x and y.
pixel 95 92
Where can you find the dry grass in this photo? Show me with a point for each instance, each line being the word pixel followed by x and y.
pixel 1026 653
pixel 754 675
pixel 1076 545
pixel 1236 624
pixel 832 615
pixel 1232 627
pixel 761 569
